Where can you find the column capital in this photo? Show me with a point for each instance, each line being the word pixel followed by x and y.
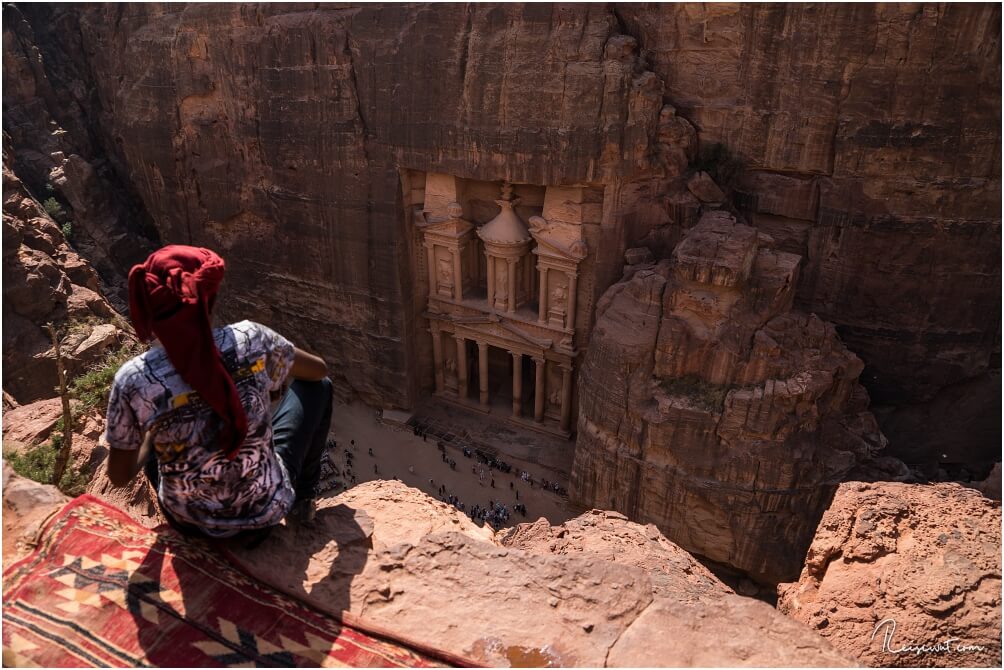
pixel 539 360
pixel 566 367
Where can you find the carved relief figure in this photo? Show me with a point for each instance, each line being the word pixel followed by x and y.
pixel 445 276
pixel 558 302
pixel 558 297
pixel 554 397
pixel 501 283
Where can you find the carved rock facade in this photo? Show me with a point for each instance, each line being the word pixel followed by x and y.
pixel 503 297
pixel 712 409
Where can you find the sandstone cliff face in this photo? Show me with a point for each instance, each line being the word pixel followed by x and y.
pixel 712 409
pixel 894 566
pixel 871 141
pixel 51 120
pixel 45 281
pixel 868 139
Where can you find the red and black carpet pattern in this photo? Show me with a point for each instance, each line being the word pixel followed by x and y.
pixel 101 590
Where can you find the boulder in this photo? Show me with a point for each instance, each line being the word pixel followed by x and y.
pixel 897 566
pixel 26 506
pixel 705 189
pixel 609 535
pixel 30 424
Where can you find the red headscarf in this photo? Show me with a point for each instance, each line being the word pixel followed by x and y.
pixel 170 296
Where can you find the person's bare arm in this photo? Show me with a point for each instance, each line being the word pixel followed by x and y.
pixel 308 367
pixel 123 464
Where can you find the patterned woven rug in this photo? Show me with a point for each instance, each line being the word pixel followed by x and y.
pixel 101 590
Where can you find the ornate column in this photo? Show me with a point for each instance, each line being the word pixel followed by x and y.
pixel 430 260
pixel 511 298
pixel 483 372
pixel 517 383
pixel 437 355
pixel 539 390
pixel 461 367
pixel 458 275
pixel 542 298
pixel 572 292
pixel 566 397
pixel 490 271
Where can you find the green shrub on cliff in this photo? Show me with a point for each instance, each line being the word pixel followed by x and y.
pixel 93 386
pixel 54 209
pixel 38 462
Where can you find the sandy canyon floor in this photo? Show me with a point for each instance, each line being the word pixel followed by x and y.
pixel 398 453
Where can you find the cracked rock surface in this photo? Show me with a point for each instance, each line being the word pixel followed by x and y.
pixel 592 592
pixel 923 559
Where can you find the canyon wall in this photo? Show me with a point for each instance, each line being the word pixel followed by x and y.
pixel 865 138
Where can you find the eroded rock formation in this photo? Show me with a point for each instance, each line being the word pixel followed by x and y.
pixel 712 409
pixel 897 565
pixel 46 281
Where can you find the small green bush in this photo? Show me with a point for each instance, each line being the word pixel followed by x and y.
pixel 93 386
pixel 705 395
pixel 68 230
pixel 54 209
pixel 38 463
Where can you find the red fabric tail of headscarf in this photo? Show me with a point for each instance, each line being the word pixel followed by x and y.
pixel 170 296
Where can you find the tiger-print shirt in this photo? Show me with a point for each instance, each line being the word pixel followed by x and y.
pixel 198 485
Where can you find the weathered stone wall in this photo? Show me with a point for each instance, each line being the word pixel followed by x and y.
pixel 871 134
pixel 276 133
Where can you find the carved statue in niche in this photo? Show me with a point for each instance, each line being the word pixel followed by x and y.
pixel 556 308
pixel 501 283
pixel 554 397
pixel 445 276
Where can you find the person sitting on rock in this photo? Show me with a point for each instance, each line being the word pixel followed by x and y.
pixel 194 410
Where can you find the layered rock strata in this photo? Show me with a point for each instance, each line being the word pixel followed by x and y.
pixel 895 568
pixel 712 409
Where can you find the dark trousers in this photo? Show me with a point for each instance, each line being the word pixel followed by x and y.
pixel 300 427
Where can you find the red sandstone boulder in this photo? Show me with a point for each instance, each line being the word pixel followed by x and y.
pixel 895 566
pixel 30 424
pixel 26 506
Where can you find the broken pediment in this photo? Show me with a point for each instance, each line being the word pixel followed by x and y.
pixel 556 239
